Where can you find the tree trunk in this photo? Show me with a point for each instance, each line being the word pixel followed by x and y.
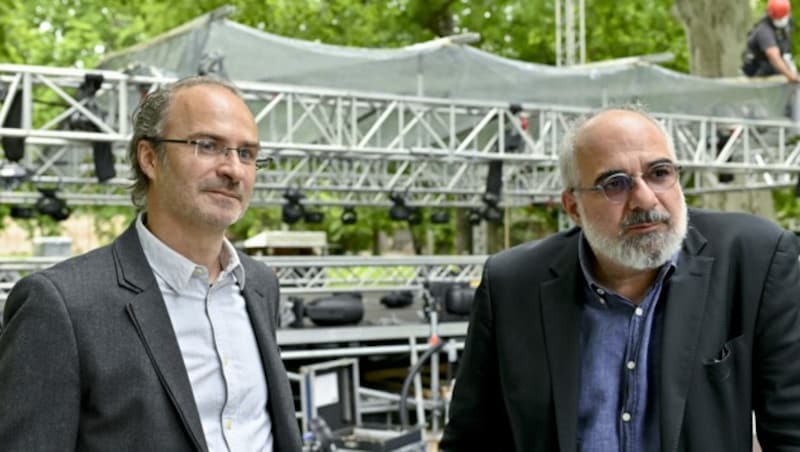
pixel 716 31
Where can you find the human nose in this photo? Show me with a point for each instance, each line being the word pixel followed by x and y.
pixel 641 194
pixel 230 165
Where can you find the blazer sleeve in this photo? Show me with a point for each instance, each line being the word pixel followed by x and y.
pixel 776 360
pixel 39 370
pixel 478 419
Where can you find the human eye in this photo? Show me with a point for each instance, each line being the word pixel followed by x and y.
pixel 616 184
pixel 661 172
pixel 247 154
pixel 207 146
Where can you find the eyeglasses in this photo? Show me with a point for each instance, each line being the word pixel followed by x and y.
pixel 617 187
pixel 212 149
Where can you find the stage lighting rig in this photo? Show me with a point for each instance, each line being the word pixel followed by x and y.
pixel 399 210
pixel 349 215
pixel 51 205
pixel 292 211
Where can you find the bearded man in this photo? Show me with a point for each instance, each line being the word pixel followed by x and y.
pixel 647 327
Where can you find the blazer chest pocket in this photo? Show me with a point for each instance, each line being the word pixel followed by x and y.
pixel 720 366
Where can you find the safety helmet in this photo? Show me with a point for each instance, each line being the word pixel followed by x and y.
pixel 778 9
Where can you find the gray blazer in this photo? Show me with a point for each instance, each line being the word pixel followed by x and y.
pixel 730 344
pixel 89 360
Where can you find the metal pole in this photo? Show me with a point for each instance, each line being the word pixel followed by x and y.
pixel 559 62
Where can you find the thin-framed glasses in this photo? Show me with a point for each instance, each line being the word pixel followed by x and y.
pixel 212 149
pixel 617 187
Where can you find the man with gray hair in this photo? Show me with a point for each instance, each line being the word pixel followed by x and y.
pixel 647 327
pixel 163 340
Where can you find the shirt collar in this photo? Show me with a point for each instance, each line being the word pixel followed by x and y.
pixel 586 257
pixel 175 269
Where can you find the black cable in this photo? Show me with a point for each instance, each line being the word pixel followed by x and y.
pixel 407 383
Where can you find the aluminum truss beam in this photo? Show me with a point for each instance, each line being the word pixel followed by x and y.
pixel 320 274
pixel 341 147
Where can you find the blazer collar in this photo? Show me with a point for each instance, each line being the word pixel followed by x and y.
pixel 150 317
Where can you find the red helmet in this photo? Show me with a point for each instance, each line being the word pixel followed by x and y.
pixel 778 9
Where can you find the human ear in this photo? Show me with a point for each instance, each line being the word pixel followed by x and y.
pixel 570 205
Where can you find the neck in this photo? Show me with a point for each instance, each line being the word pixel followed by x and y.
pixel 200 246
pixel 628 282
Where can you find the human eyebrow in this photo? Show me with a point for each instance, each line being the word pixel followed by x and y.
pixel 606 174
pixel 660 162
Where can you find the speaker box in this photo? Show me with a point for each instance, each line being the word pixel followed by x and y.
pixel 339 309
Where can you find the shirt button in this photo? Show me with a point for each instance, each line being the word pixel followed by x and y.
pixel 639 312
pixel 228 424
pixel 600 291
pixel 631 365
pixel 601 300
pixel 626 417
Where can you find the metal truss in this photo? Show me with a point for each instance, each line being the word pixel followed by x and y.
pixel 326 274
pixel 567 40
pixel 341 147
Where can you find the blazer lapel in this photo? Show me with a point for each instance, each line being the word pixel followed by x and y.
pixel 561 311
pixel 280 400
pixel 683 315
pixel 151 319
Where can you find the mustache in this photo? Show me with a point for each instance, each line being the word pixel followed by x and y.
pixel 645 216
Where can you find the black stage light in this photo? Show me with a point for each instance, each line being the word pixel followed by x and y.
pixel 21 212
pixel 349 215
pixel 491 211
pixel 314 217
pixel 474 216
pixel 399 210
pixel 101 150
pixel 51 205
pixel 292 211
pixel 14 147
pixel 12 174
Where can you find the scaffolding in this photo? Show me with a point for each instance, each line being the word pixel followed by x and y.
pixel 357 147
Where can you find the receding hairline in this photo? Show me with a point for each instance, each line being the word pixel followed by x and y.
pixel 618 118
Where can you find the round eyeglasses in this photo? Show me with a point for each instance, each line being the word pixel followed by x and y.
pixel 617 187
pixel 211 149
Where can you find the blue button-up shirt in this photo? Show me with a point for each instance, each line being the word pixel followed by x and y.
pixel 620 346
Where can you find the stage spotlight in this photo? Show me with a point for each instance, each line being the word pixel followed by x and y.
pixel 349 215
pixel 12 174
pixel 14 147
pixel 399 211
pixel 21 212
pixel 51 205
pixel 101 150
pixel 440 217
pixel 314 217
pixel 292 211
pixel 474 216
pixel 492 212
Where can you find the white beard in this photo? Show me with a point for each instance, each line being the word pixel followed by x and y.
pixel 641 252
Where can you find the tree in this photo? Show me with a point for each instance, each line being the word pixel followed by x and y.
pixel 716 31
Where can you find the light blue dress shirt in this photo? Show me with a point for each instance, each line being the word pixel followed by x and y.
pixel 217 343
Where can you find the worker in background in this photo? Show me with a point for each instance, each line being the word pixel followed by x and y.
pixel 769 44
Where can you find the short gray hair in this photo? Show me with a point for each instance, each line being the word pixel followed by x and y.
pixel 567 158
pixel 149 119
